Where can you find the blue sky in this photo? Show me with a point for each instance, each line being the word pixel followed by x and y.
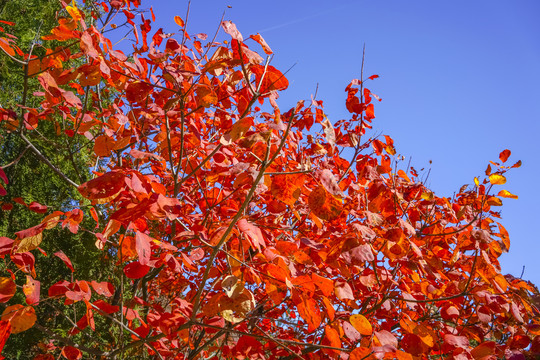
pixel 460 82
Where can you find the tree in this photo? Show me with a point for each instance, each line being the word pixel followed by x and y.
pixel 230 229
pixel 32 19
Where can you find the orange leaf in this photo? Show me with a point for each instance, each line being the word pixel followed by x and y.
pixel 21 317
pixel 7 289
pixel 507 194
pixel 361 353
pixel 178 20
pixel 4 44
pixel 484 349
pixel 103 187
pixel 323 204
pixel 237 131
pixel 89 75
pixel 258 38
pixel 273 78
pixel 332 337
pixel 494 201
pixel 361 324
pixel 326 285
pixel 287 188
pixel 402 355
pixel 309 311
pixel 103 145
pixel 31 290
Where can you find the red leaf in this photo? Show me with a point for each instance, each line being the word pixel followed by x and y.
pixel 253 233
pixel 504 155
pixel 87 45
pixel 33 231
pixel 456 341
pixel 386 338
pixel 103 187
pixel 138 91
pixel 106 307
pixel 350 331
pixel 136 270
pixel 142 245
pixel 3 176
pixel 5 245
pixel 60 254
pixel 59 289
pixel 5 330
pixel 37 208
pixel 103 288
pixel 71 353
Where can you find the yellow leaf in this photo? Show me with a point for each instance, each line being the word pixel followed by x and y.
pixel 427 195
pixel 507 194
pixel 74 12
pixel 476 182
pixel 497 179
pixel 361 324
pixel 29 243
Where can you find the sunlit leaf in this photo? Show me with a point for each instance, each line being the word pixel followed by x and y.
pixel 507 194
pixel 361 324
pixel 29 243
pixel 258 38
pixel 178 20
pixel 497 179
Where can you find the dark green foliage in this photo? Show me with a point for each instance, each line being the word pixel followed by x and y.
pixel 32 180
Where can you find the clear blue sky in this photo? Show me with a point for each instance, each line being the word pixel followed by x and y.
pixel 459 81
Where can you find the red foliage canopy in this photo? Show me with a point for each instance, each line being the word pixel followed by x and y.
pixel 239 231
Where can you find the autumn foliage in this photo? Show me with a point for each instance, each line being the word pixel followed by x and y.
pixel 239 230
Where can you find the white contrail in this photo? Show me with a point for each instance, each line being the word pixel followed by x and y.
pixel 279 26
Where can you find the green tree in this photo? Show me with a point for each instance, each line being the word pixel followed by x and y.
pixel 31 180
